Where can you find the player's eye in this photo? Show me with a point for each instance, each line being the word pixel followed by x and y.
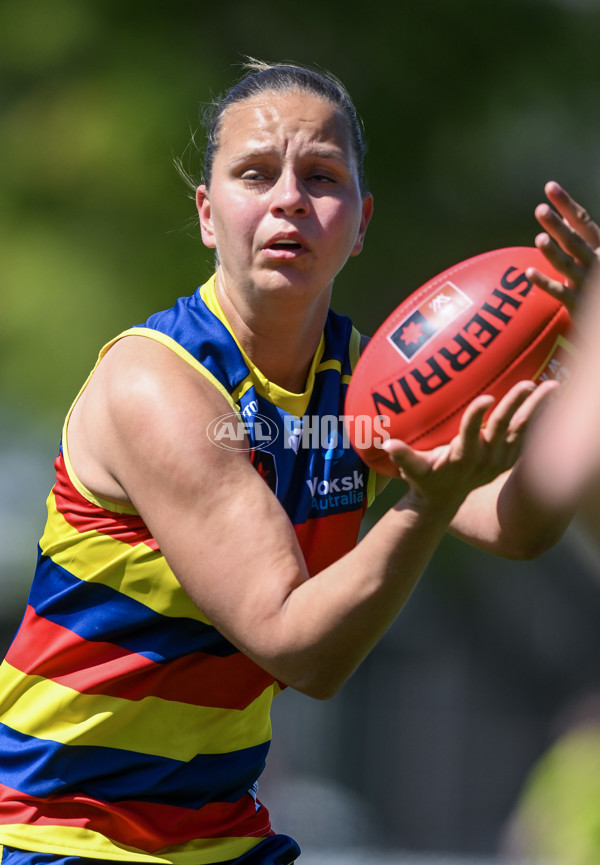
pixel 253 175
pixel 319 177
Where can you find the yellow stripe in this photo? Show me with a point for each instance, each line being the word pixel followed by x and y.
pixel 76 841
pixel 354 348
pixel 241 389
pixel 330 364
pixel 177 731
pixel 372 487
pixel 136 571
pixel 354 354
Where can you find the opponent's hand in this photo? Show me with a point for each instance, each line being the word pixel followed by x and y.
pixel 444 476
pixel 571 243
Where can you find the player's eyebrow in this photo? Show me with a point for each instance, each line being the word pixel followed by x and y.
pixel 318 148
pixel 334 153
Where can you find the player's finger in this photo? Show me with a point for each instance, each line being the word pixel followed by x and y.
pixel 410 463
pixel 471 421
pixel 573 212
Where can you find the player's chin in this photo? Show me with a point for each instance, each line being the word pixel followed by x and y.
pixel 299 277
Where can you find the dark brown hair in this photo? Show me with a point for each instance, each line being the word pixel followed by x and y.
pixel 261 77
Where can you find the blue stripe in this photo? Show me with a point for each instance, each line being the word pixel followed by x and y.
pixel 97 612
pixel 33 766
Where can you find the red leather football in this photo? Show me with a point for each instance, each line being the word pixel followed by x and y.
pixel 478 327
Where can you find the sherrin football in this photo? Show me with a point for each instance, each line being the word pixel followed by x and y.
pixel 477 328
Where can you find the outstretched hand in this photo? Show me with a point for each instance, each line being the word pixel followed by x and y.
pixel 443 477
pixel 571 243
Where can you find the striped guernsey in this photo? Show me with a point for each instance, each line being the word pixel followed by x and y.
pixel 130 728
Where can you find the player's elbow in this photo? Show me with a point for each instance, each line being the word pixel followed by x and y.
pixel 316 681
pixel 531 545
pixel 317 692
pixel 320 690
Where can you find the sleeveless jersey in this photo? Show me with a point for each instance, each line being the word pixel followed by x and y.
pixel 130 729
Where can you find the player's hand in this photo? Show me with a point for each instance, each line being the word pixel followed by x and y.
pixel 571 243
pixel 444 476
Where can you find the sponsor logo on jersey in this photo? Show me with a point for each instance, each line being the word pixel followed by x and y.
pixel 339 492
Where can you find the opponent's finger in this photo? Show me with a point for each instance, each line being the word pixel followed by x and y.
pixel 564 292
pixel 530 408
pixel 509 448
pixel 573 212
pixel 561 243
pixel 499 422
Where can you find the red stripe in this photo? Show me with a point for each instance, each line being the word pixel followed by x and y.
pixel 145 825
pixel 44 648
pixel 326 539
pixel 87 517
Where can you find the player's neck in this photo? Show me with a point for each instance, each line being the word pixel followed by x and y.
pixel 283 358
pixel 282 341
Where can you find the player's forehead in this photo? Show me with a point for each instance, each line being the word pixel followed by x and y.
pixel 273 119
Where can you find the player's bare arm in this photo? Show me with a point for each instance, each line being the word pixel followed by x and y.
pixel 207 507
pixel 501 517
pixel 566 435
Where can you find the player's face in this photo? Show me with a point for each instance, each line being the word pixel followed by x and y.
pixel 284 209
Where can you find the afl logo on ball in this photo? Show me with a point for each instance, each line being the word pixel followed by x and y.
pixel 432 316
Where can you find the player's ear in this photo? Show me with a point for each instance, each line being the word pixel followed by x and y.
pixel 367 213
pixel 204 212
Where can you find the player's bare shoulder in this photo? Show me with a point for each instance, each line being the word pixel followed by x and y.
pixel 142 400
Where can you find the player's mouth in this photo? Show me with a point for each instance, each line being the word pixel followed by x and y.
pixel 285 246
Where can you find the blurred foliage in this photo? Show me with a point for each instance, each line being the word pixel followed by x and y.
pixel 469 107
pixel 557 815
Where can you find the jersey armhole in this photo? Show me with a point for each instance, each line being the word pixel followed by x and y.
pixel 169 343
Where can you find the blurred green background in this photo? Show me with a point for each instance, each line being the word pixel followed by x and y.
pixel 469 107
